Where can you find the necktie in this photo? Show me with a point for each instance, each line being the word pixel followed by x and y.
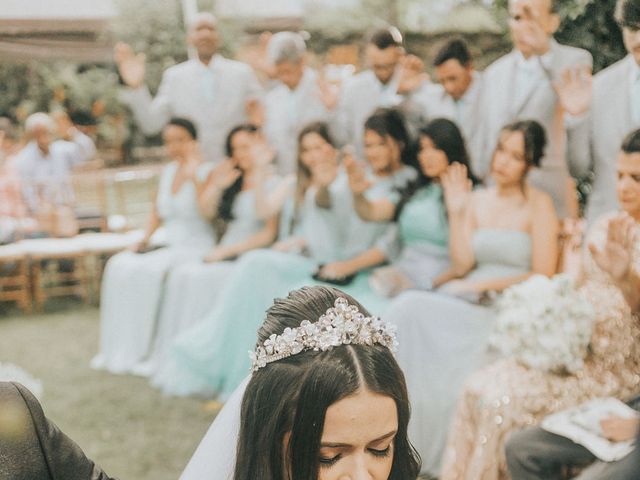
pixel 208 85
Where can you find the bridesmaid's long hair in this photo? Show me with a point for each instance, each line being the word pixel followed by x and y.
pixel 390 122
pixel 225 209
pixel 292 395
pixel 446 136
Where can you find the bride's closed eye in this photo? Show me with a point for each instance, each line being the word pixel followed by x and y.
pixel 329 461
pixel 381 453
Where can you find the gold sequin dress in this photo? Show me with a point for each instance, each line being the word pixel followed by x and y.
pixel 507 396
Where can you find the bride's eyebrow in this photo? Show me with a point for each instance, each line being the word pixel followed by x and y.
pixel 343 445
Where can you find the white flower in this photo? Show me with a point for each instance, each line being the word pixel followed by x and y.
pixel 545 323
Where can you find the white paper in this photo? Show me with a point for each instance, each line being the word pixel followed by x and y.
pixel 582 425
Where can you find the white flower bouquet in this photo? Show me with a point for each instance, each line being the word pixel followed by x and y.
pixel 544 323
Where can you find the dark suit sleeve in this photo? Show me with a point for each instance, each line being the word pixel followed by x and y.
pixel 65 460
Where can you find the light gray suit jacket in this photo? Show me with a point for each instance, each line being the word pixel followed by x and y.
pixel 182 93
pixel 287 112
pixel 434 102
pixel 602 133
pixel 498 107
pixel 359 98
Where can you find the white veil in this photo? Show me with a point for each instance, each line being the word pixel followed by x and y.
pixel 215 457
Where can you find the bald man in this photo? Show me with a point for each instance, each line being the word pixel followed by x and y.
pixel 210 90
pixel 531 83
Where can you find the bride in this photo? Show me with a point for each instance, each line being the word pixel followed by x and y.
pixel 326 399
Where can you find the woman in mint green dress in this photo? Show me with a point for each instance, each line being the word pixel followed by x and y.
pixel 499 236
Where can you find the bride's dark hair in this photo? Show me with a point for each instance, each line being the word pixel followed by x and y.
pixel 293 394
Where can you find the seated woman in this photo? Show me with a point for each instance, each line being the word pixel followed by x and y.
pixel 506 395
pixel 498 236
pixel 208 355
pixel 134 281
pixel 236 191
pixel 316 411
pixel 15 221
pixel 417 245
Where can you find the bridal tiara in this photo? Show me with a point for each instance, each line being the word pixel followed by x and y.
pixel 343 324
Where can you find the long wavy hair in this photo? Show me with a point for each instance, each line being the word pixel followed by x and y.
pixel 446 136
pixel 225 208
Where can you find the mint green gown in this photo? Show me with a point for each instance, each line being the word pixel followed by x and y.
pixel 212 357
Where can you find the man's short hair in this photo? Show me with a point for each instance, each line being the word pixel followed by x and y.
pixel 385 38
pixel 39 120
pixel 286 47
pixel 631 143
pixel 200 16
pixel 455 49
pixel 627 13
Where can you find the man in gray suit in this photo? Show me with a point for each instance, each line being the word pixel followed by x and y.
pixel 531 82
pixel 32 447
pixel 391 76
pixel 294 102
pixel 212 91
pixel 457 95
pixel 615 111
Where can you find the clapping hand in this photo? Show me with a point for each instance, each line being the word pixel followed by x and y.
pixel 412 74
pixel 224 175
pixel 356 172
pixel 329 93
pixel 457 188
pixel 574 89
pixel 615 257
pixel 255 111
pixel 527 26
pixel 131 66
pixel 324 172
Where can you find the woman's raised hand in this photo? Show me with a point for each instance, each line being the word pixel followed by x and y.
pixel 224 175
pixel 457 188
pixel 356 172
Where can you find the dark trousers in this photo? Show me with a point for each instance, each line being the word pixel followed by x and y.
pixel 535 454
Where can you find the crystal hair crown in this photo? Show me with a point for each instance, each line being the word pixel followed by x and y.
pixel 343 324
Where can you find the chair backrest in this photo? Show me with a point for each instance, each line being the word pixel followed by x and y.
pixel 132 195
pixel 91 200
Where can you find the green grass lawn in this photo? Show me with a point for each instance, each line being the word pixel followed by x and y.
pixel 121 422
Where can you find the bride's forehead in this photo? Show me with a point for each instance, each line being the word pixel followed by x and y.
pixel 360 419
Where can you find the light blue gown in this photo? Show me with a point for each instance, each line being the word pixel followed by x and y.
pixel 212 356
pixel 442 339
pixel 133 283
pixel 192 287
pixel 418 245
